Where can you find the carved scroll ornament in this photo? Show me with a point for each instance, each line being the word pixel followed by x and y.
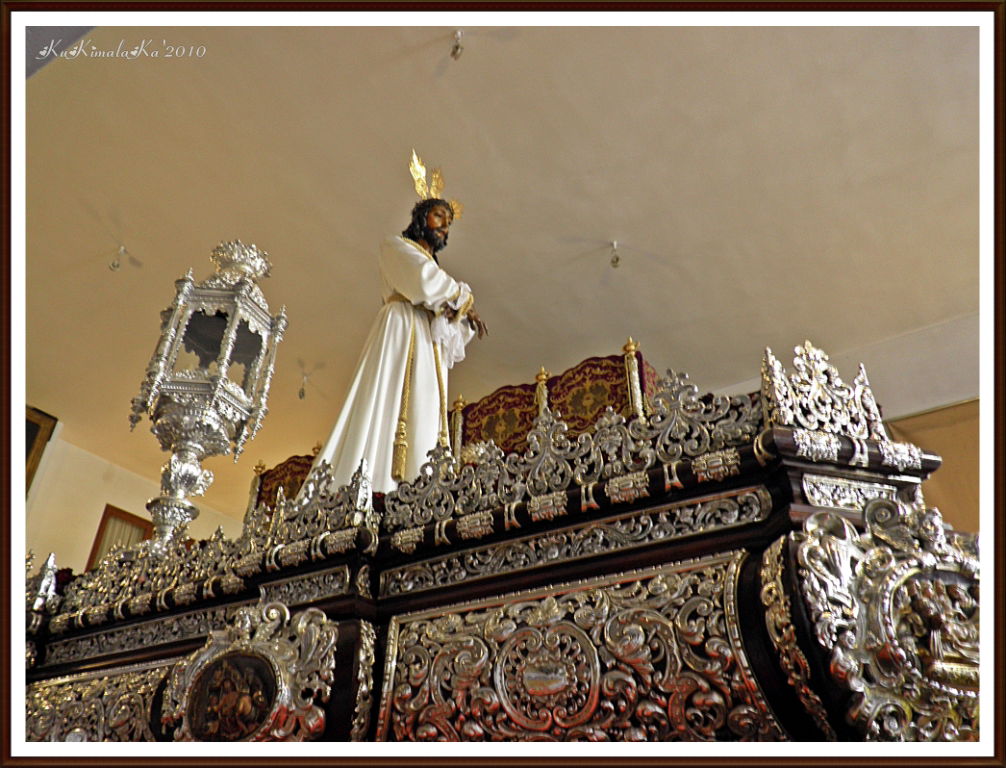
pixel 256 681
pixel 635 529
pixel 129 582
pixel 896 609
pixel 95 707
pixel 815 398
pixel 682 424
pixel 646 656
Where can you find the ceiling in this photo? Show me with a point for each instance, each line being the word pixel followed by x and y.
pixel 764 185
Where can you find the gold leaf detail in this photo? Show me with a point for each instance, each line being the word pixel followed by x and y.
pixel 436 183
pixel 418 171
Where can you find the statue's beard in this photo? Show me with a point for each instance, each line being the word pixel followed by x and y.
pixel 436 240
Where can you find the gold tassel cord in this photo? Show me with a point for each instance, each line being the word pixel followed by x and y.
pixel 444 438
pixel 401 447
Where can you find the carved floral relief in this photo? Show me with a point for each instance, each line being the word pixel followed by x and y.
pixel 644 656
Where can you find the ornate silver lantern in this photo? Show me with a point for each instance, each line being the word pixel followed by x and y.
pixel 207 382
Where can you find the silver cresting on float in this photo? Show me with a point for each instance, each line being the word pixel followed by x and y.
pixel 208 380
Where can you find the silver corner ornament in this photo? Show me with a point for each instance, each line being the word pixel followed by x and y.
pixel 206 386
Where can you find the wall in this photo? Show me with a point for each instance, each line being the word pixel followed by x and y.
pixel 952 432
pixel 69 494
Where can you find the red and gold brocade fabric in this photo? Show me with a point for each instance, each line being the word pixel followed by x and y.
pixel 580 395
pixel 289 475
pixel 505 417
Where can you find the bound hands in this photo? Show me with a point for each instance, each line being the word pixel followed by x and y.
pixel 474 321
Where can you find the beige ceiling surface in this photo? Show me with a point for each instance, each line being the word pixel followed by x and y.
pixel 765 185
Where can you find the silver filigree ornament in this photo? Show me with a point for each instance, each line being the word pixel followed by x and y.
pixel 135 581
pixel 321 522
pixel 258 680
pixel 841 492
pixel 208 380
pixel 901 456
pixel 586 539
pixel 95 706
pixel 617 452
pixel 816 446
pixel 815 397
pixel 146 634
pixel 896 608
pixel 325 518
pixel 296 590
pixel 684 424
pixel 782 633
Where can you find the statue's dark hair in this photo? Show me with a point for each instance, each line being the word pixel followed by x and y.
pixel 415 229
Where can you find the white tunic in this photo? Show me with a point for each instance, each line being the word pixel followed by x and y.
pixel 404 363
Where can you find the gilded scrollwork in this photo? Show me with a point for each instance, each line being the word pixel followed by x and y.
pixel 612 534
pixel 815 398
pixel 258 680
pixel 779 622
pixel 95 706
pixel 897 610
pixel 642 656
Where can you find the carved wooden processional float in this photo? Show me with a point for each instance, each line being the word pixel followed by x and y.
pixel 692 567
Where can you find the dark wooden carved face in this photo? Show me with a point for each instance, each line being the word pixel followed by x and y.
pixel 232 698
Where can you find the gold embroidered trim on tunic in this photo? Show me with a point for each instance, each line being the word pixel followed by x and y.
pixel 425 253
pixel 401 447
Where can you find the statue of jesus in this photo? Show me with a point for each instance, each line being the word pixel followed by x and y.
pixel 396 409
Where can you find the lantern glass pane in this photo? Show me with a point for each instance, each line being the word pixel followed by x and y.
pixel 201 342
pixel 247 348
